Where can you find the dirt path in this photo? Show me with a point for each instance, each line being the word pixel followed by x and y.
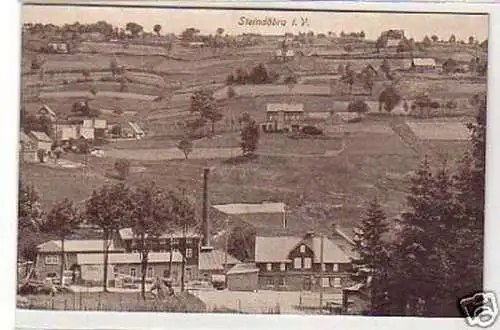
pixel 204 153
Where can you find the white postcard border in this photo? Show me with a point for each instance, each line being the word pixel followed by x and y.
pixel 10 54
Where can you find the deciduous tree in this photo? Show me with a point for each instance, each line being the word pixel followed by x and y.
pixel 186 146
pixel 249 137
pixel 157 29
pixel 62 220
pixel 155 212
pixel 203 102
pixel 109 209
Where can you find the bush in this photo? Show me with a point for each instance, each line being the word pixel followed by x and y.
pixel 122 167
pixel 358 106
pixel 230 92
pixel 451 104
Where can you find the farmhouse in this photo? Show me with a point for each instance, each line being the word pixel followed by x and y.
pixel 282 117
pixel 41 140
pixel 423 64
pixel 298 263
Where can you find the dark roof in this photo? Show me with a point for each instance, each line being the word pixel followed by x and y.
pixel 277 248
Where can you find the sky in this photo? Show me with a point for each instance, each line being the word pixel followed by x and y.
pixel 207 21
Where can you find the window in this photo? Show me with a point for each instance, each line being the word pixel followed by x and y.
pixel 133 272
pixel 302 249
pixel 307 263
pixel 297 263
pixel 281 281
pixel 189 241
pixel 335 267
pixel 189 253
pixel 150 272
pixel 52 260
pixel 269 267
pixel 282 267
pixel 325 282
pixel 270 282
pixel 336 282
pixel 165 273
pixel 323 267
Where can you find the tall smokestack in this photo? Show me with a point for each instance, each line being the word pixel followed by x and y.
pixel 206 224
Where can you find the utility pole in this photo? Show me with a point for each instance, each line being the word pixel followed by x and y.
pixel 225 249
pixel 321 274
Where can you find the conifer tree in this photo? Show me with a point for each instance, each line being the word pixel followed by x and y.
pixel 372 254
pixel 416 243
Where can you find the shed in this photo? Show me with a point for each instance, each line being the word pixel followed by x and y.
pixel 243 277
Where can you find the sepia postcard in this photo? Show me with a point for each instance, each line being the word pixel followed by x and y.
pixel 253 161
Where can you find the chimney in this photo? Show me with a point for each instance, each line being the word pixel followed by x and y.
pixel 205 223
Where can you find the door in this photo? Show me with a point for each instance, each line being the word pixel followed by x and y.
pixel 307 284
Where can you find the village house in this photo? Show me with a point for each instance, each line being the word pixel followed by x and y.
pixel 293 263
pixel 45 110
pixel 214 262
pixel 41 140
pixel 283 117
pixel 128 266
pixel 125 130
pixel 98 126
pixel 188 243
pixel 284 55
pixel 423 64
pixel 243 277
pixel 48 260
pixel 59 47
pixel 85 259
pixel 28 148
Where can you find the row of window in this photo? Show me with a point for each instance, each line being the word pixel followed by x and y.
pixel 165 241
pixel 301 263
pixel 326 282
pixel 54 259
pixel 286 117
pixel 189 252
pixel 150 272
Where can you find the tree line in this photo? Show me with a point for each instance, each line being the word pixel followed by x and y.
pixel 148 210
pixel 436 257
